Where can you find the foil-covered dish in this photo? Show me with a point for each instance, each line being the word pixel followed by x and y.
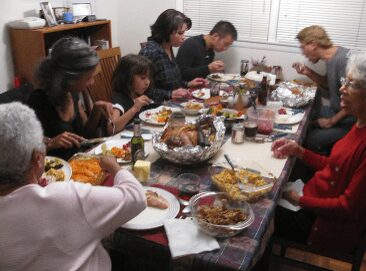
pixel 293 94
pixel 191 143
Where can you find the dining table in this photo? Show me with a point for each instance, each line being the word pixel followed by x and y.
pixel 148 249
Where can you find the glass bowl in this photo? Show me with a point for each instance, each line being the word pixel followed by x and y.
pixel 219 199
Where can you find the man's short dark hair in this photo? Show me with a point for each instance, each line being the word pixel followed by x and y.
pixel 224 28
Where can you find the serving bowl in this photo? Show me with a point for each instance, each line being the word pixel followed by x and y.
pixel 192 108
pixel 207 213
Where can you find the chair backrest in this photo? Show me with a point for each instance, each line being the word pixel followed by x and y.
pixel 102 87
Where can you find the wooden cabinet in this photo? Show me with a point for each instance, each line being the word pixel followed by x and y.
pixel 29 46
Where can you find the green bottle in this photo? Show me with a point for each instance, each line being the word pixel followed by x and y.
pixel 137 142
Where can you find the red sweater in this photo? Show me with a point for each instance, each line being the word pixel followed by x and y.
pixel 337 193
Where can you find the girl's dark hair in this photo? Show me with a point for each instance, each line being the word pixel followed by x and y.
pixel 128 66
pixel 70 58
pixel 168 22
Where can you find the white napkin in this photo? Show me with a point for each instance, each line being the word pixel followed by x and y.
pixel 296 186
pixel 185 238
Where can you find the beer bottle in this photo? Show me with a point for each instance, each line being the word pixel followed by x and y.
pixel 263 91
pixel 137 142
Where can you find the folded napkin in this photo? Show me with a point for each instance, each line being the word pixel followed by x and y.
pixel 185 238
pixel 296 186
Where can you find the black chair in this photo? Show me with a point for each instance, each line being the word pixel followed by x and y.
pixel 355 259
pixel 20 94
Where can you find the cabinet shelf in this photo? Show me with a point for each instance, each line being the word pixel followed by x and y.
pixel 30 46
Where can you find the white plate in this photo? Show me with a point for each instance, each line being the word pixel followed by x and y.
pixel 205 110
pixel 66 167
pixel 110 144
pixel 151 218
pixel 203 93
pixel 223 77
pixel 149 116
pixel 289 118
pixel 191 111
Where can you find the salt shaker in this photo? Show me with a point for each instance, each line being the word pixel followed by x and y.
pixel 237 133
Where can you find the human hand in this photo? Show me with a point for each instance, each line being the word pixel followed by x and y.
pixel 105 107
pixel 301 68
pixel 141 101
pixel 284 147
pixel 109 163
pixel 180 93
pixel 325 122
pixel 291 196
pixel 66 140
pixel 216 66
pixel 198 82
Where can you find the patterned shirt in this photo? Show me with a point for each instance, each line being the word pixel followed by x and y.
pixel 167 76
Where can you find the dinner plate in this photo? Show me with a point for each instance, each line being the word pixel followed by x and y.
pixel 289 117
pixel 223 77
pixel 151 218
pixel 66 168
pixel 110 144
pixel 225 111
pixel 150 116
pixel 203 93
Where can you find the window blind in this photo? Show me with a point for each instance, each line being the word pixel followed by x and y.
pixel 344 21
pixel 251 18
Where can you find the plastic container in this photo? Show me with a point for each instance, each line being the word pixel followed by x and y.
pixel 265 118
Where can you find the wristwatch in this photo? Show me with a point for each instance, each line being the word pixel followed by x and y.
pixel 46 140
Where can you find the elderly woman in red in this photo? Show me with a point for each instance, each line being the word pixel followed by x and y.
pixel 333 214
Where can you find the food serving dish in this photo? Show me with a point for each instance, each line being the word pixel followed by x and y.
pixel 243 185
pixel 192 108
pixel 86 169
pixel 293 94
pixel 231 116
pixel 151 217
pixel 56 170
pixel 203 93
pixel 120 148
pixel 219 216
pixel 169 147
pixel 157 116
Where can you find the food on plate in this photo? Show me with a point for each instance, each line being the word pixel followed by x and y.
pixel 282 111
pixel 123 152
pixel 193 106
pixel 187 134
pixel 220 215
pixel 86 170
pixel 249 84
pixel 53 171
pixel 161 116
pixel 54 163
pixel 155 200
pixel 141 170
pixel 57 174
pixel 242 185
pixel 218 110
pixel 216 76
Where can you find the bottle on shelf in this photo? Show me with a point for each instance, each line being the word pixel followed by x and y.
pixel 137 143
pixel 263 91
pixel 244 67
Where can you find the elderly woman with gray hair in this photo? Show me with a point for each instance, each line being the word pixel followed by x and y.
pixel 333 201
pixel 61 77
pixel 60 226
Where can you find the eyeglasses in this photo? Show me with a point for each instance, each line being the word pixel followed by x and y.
pixel 350 84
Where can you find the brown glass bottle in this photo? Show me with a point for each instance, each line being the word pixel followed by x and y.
pixel 263 91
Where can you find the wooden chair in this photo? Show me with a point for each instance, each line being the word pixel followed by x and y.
pixel 102 87
pixel 355 259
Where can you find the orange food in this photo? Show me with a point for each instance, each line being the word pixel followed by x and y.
pixel 86 171
pixel 118 152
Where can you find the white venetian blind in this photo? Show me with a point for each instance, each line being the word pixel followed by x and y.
pixel 345 21
pixel 250 17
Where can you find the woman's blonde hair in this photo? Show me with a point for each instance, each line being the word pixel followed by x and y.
pixel 316 34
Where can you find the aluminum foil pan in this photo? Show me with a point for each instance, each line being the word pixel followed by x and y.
pixel 188 155
pixel 293 94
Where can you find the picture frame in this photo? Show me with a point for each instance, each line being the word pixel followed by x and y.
pixel 59 13
pixel 48 13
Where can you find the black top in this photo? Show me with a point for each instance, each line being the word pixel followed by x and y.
pixel 51 122
pixel 193 58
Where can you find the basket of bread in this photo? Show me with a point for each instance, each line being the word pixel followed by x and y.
pixel 190 142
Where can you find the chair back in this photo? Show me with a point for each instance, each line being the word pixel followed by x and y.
pixel 102 87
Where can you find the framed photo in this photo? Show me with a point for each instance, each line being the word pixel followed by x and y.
pixel 48 13
pixel 59 13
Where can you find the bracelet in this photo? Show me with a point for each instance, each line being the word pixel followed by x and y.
pixel 46 140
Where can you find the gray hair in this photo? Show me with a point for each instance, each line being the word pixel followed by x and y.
pixel 20 134
pixel 69 60
pixel 356 65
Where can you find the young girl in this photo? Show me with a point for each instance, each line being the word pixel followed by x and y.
pixel 130 80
